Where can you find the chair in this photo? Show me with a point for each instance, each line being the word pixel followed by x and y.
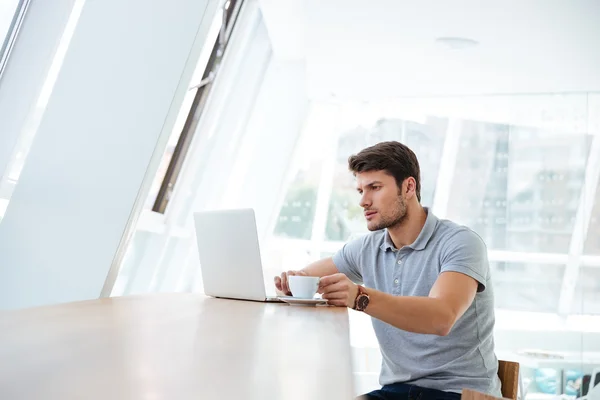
pixel 468 394
pixel 508 372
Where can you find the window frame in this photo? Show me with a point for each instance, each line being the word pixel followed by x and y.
pixel 12 33
pixel 230 16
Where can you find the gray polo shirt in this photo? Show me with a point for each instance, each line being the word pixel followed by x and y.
pixel 465 357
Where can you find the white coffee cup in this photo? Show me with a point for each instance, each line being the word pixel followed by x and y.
pixel 303 287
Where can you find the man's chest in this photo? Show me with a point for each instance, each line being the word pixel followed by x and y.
pixel 402 272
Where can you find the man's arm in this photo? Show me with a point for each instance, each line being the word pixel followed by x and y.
pixel 449 298
pixel 463 271
pixel 321 268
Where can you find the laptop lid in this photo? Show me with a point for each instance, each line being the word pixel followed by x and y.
pixel 229 254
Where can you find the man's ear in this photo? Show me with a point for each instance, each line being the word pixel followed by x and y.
pixel 409 187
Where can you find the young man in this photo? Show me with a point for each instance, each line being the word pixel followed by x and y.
pixel 426 285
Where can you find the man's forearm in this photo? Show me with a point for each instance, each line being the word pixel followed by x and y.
pixel 321 268
pixel 410 313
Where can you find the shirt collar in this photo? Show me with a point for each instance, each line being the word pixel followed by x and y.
pixel 423 238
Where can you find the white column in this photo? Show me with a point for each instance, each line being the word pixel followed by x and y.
pixel 104 130
pixel 329 142
pixel 447 166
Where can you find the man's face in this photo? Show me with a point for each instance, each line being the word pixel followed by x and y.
pixel 381 198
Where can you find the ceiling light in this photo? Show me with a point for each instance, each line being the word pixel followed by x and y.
pixel 456 42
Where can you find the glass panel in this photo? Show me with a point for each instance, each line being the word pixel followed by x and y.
pixel 478 197
pixel 298 210
pixel 586 299
pixel 592 243
pixel 545 181
pixel 525 185
pixel 425 138
pixel 185 109
pixel 527 286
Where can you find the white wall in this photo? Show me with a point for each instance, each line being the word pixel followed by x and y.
pixel 27 69
pixel 110 113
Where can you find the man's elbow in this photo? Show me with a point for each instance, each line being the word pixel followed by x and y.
pixel 444 324
pixel 442 330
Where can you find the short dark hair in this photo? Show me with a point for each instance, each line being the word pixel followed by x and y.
pixel 392 157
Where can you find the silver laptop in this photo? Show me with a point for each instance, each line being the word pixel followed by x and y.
pixel 230 255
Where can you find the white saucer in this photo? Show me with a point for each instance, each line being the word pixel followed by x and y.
pixel 302 302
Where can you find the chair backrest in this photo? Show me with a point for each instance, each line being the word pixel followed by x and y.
pixel 508 372
pixel 468 394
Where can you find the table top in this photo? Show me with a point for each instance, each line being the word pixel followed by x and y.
pixel 175 346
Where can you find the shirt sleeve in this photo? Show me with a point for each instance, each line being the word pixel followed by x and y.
pixel 347 258
pixel 466 252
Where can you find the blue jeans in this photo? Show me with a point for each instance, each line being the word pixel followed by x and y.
pixel 403 391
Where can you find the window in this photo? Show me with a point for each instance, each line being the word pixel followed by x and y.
pixel 183 132
pixel 518 176
pixel 531 180
pixel 516 179
pixel 162 254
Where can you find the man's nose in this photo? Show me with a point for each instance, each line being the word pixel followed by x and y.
pixel 365 202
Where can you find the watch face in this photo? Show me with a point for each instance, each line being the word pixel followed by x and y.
pixel 362 303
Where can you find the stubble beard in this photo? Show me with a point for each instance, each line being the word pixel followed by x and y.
pixel 397 217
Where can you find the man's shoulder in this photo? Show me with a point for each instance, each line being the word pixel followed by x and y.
pixel 369 240
pixel 448 230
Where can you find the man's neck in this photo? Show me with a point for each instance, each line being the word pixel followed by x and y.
pixel 408 231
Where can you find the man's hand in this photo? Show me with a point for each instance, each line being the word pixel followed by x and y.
pixel 339 290
pixel 281 282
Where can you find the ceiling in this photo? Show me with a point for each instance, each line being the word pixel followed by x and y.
pixel 387 48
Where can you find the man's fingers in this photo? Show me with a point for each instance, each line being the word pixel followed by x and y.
pixel 335 287
pixel 278 284
pixel 331 279
pixel 284 283
pixel 335 295
pixel 337 302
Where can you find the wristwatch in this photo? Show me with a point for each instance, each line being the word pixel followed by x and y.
pixel 362 300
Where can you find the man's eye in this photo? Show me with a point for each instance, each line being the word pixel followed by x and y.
pixel 376 187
